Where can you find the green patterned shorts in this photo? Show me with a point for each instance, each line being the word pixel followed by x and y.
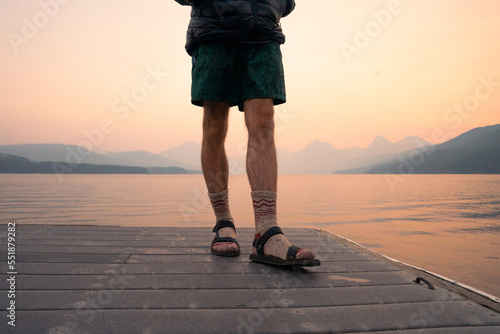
pixel 234 73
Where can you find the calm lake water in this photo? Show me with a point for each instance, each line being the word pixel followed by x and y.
pixel 448 224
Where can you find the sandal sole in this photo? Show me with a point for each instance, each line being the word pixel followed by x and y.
pixel 279 262
pixel 226 254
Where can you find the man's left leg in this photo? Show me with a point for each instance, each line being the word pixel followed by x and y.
pixel 216 172
pixel 262 170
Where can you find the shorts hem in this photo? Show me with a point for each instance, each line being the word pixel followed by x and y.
pixel 277 100
pixel 200 101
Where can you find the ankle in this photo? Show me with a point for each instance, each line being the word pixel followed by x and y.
pixel 264 205
pixel 227 232
pixel 220 205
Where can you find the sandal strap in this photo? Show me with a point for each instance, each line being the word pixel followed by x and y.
pixel 218 226
pixel 225 239
pixel 259 243
pixel 290 255
pixel 222 224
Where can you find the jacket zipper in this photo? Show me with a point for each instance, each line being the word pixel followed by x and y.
pixel 254 12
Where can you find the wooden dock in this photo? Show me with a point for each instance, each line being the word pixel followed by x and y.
pixel 91 279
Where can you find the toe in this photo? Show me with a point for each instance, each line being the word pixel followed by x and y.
pixel 305 254
pixel 225 247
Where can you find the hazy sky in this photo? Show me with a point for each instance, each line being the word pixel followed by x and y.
pixel 117 69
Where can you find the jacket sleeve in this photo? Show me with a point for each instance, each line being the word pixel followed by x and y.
pixel 290 5
pixel 193 2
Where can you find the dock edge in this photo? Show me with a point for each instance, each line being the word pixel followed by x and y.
pixel 478 296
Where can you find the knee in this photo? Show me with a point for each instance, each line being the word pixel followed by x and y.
pixel 215 122
pixel 260 122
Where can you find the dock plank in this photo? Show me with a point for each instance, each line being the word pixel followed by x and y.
pixel 339 253
pixel 238 298
pixel 213 280
pixel 447 330
pixel 147 243
pixel 342 319
pixel 215 267
pixel 106 279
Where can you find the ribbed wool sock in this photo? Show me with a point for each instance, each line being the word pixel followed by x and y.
pixel 264 206
pixel 220 204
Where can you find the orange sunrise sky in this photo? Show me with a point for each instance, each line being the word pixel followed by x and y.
pixel 354 69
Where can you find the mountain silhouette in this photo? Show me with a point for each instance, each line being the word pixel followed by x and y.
pixel 144 159
pixel 72 154
pixel 316 158
pixel 474 152
pixel 12 164
pixel 21 165
pixel 188 153
pixel 322 158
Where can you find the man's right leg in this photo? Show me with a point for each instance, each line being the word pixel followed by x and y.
pixel 216 168
pixel 213 154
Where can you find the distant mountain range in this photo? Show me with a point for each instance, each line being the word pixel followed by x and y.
pixel 75 155
pixel 476 151
pixel 13 164
pixel 322 158
pixel 188 154
pixel 20 165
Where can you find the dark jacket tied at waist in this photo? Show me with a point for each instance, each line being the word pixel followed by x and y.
pixel 240 21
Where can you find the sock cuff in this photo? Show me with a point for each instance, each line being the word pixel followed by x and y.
pixel 220 204
pixel 218 196
pixel 264 194
pixel 264 206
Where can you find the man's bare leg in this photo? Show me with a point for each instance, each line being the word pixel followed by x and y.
pixel 262 163
pixel 216 168
pixel 262 170
pixel 213 154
